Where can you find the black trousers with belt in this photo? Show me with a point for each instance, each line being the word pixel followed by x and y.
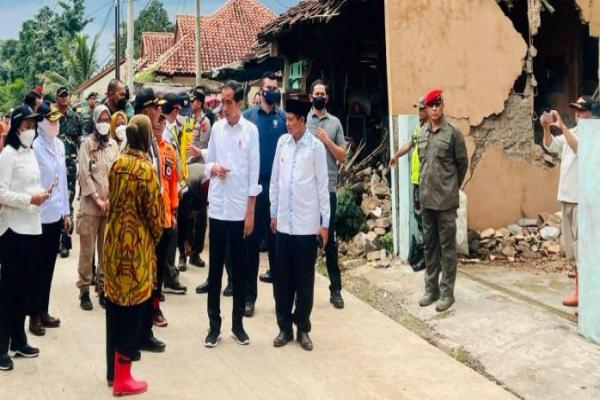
pixel 262 222
pixel 50 240
pixel 221 235
pixel 121 321
pixel 294 278
pixel 331 250
pixel 18 257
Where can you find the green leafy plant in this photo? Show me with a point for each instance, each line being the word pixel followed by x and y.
pixel 387 242
pixel 349 217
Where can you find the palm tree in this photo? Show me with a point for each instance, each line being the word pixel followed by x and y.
pixel 80 62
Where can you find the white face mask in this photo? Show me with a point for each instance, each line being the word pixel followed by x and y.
pixel 103 128
pixel 120 132
pixel 26 137
pixel 51 129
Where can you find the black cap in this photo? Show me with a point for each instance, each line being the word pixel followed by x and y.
pixel 20 113
pixel 185 102
pixel 62 91
pixel 198 94
pixel 297 107
pixel 145 98
pixel 171 101
pixel 583 103
pixel 49 111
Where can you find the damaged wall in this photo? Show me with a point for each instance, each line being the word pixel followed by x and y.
pixel 590 14
pixel 474 53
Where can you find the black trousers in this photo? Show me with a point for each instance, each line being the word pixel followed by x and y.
pixel 121 321
pixel 50 240
pixel 331 250
pixel 294 278
pixel 191 221
pixel 172 271
pixel 262 229
pixel 153 303
pixel 19 258
pixel 221 235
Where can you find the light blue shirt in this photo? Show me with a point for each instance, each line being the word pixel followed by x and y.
pixel 50 155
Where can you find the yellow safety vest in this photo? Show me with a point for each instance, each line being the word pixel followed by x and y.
pixel 414 161
pixel 187 136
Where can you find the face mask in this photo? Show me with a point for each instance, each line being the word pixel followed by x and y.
pixel 319 102
pixel 180 119
pixel 26 137
pixel 122 104
pixel 271 96
pixel 120 132
pixel 103 128
pixel 49 128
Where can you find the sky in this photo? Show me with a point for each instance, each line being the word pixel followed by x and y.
pixel 15 12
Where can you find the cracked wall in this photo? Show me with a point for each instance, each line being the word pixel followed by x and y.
pixel 474 53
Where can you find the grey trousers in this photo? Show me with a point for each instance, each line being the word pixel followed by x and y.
pixel 439 239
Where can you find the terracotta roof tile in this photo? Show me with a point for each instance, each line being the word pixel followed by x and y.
pixel 226 36
pixel 154 44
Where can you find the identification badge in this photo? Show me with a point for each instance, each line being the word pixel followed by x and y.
pixel 275 123
pixel 168 171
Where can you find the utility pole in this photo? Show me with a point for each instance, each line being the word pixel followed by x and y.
pixel 130 59
pixel 198 51
pixel 117 39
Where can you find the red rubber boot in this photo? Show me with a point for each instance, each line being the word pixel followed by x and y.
pixel 573 300
pixel 124 384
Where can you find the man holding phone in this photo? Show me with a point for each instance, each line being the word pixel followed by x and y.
pixel 566 146
pixel 300 214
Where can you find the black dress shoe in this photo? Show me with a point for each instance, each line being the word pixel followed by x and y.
pixel 249 309
pixel 137 356
pixel 283 338
pixel 102 300
pixel 196 261
pixel 84 301
pixel 49 321
pixel 336 299
pixel 305 341
pixel 266 277
pixel 228 292
pixel 64 253
pixel 153 345
pixel 36 327
pixel 202 288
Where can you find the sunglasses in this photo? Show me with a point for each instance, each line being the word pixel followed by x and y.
pixel 435 104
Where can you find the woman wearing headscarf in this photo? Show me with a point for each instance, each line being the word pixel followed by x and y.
pixel 21 195
pixel 118 126
pixel 133 230
pixel 55 214
pixel 97 154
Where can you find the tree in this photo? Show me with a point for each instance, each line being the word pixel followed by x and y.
pixel 153 18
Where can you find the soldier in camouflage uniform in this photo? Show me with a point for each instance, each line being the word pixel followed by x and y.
pixel 71 134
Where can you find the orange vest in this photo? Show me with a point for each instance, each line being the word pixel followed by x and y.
pixel 169 178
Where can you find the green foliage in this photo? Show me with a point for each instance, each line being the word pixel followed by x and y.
pixel 387 242
pixel 10 94
pixel 153 18
pixel 349 216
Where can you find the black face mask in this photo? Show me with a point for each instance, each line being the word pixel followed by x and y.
pixel 122 104
pixel 271 96
pixel 319 102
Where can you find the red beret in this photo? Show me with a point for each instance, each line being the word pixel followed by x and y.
pixel 433 96
pixel 39 89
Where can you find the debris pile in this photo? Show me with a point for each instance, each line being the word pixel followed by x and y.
pixel 528 239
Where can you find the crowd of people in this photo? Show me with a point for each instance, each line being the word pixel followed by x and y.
pixel 152 176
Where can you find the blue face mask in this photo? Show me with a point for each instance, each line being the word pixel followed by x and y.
pixel 271 96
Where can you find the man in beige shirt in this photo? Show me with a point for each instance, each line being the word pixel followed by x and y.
pixel 96 156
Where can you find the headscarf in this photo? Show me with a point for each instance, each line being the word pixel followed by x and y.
pixel 98 110
pixel 139 133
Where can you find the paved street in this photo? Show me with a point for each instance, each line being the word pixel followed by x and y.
pixel 359 354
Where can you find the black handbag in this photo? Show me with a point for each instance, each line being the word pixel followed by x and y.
pixel 416 255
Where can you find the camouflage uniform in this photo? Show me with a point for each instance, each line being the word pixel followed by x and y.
pixel 71 134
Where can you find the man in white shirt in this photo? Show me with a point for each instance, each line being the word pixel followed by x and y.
pixel 232 164
pixel 300 213
pixel 566 146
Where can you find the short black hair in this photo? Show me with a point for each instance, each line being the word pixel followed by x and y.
pixel 319 82
pixel 113 84
pixel 31 97
pixel 238 89
pixel 270 75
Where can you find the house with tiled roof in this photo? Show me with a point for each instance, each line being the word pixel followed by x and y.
pixel 226 36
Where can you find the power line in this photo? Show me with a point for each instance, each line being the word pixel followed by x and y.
pixel 99 9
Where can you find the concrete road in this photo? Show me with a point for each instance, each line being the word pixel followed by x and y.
pixel 359 354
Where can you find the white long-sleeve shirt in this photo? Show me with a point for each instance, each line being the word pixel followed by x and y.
pixel 19 180
pixel 236 148
pixel 567 185
pixel 50 155
pixel 299 191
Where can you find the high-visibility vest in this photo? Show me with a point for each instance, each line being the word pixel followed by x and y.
pixel 414 161
pixel 186 138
